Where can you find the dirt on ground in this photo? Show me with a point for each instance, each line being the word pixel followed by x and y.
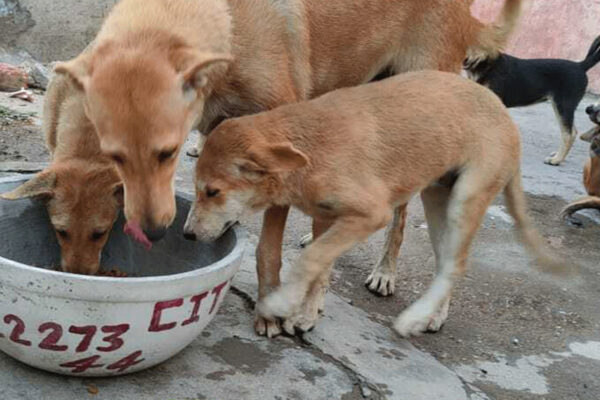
pixel 20 138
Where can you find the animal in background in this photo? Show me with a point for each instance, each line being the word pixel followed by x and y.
pixel 81 187
pixel 591 170
pixel 523 82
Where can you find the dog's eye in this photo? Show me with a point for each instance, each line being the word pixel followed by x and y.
pixel 212 192
pixel 117 158
pixel 98 235
pixel 166 155
pixel 62 233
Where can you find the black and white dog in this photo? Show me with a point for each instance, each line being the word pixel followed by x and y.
pixel 519 82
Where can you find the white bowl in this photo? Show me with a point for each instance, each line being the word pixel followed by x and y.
pixel 99 326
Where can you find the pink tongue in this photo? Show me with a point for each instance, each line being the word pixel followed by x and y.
pixel 134 230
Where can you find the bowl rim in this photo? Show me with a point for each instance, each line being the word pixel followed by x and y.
pixel 234 254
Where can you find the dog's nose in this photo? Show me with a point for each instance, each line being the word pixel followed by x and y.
pixel 190 236
pixel 589 110
pixel 156 234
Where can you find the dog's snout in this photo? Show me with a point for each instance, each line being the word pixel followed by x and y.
pixel 589 110
pixel 190 236
pixel 155 234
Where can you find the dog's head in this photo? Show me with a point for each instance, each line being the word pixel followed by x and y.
pixel 143 103
pixel 83 202
pixel 239 171
pixel 593 111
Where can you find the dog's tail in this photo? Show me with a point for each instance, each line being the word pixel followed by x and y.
pixel 593 56
pixel 581 204
pixel 545 259
pixel 492 38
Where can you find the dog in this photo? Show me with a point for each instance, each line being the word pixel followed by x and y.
pixel 519 82
pixel 348 159
pixel 591 170
pixel 161 67
pixel 81 187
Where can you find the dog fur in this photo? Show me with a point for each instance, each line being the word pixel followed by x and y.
pixel 348 159
pixel 520 82
pixel 141 62
pixel 591 170
pixel 81 187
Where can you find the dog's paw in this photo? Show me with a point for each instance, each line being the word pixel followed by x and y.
pixel 417 319
pixel 381 283
pixel 193 152
pixel 303 321
pixel 281 303
pixel 306 240
pixel 553 160
pixel 265 327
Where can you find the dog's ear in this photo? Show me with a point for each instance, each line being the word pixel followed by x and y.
pixel 78 69
pixel 197 67
pixel 119 194
pixel 40 186
pixel 274 158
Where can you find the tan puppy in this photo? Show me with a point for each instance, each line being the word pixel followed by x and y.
pixel 82 188
pixel 159 66
pixel 349 158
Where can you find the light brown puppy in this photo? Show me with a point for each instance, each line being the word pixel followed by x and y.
pixel 159 67
pixel 82 188
pixel 350 158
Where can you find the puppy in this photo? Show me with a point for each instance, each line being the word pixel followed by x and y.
pixel 520 82
pixel 82 189
pixel 160 67
pixel 348 159
pixel 591 170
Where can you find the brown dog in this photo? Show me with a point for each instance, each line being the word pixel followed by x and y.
pixel 160 66
pixel 82 188
pixel 349 158
pixel 591 170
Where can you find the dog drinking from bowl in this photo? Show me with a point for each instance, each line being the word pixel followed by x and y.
pixel 81 187
pixel 348 159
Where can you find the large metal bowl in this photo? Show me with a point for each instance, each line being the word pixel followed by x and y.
pixel 99 326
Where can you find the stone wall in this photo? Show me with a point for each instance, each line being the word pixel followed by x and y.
pixel 50 30
pixel 552 29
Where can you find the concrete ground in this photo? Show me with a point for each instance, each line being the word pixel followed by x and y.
pixel 512 332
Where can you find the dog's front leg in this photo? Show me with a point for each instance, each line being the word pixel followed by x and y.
pixel 268 264
pixel 314 265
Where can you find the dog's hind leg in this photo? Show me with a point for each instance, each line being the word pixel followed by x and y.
pixel 382 279
pixel 565 114
pixel 454 217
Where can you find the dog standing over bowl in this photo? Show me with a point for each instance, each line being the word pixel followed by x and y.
pixel 161 67
pixel 81 188
pixel 348 159
pixel 519 82
pixel 591 170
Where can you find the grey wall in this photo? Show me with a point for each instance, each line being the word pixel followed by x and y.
pixel 50 30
